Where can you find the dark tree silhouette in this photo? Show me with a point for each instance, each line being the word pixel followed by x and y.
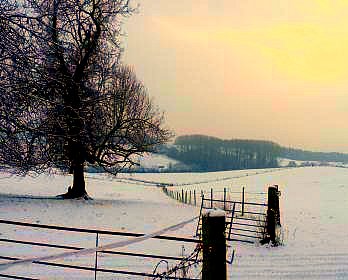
pixel 65 99
pixel 205 153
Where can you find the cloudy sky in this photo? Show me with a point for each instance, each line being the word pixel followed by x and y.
pixel 252 69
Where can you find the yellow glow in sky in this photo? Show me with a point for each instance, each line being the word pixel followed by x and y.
pixel 313 52
pixel 257 69
pixel 300 51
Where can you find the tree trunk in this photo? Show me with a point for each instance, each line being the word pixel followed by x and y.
pixel 78 190
pixel 79 186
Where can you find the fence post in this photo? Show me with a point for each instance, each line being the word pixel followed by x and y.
pixel 194 195
pixel 214 245
pixel 211 198
pixel 182 195
pixel 273 201
pixel 224 198
pixel 243 200
pixel 273 212
pixel 202 195
pixel 190 197
pixel 271 225
pixel 96 257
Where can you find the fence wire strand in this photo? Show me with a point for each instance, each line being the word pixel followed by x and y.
pixel 193 260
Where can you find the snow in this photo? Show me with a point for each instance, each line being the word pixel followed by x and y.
pixel 313 215
pixel 284 162
pixel 116 206
pixel 213 213
pixel 157 161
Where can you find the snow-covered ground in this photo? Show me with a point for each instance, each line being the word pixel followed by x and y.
pixel 313 208
pixel 116 206
pixel 157 161
pixel 284 162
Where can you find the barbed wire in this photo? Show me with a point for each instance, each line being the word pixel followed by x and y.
pixel 193 260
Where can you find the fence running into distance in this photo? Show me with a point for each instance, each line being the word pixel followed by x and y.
pixel 245 220
pixel 179 265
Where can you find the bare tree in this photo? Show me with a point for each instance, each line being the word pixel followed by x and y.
pixel 65 99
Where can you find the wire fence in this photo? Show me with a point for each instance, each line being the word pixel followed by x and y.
pixel 193 196
pixel 246 216
pixel 249 173
pixel 245 221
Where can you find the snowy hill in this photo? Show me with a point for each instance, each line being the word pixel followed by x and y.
pixel 313 216
pixel 156 161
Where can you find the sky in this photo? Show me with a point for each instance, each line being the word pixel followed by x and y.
pixel 248 69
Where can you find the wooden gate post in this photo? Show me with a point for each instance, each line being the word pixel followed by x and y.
pixel 273 212
pixel 214 245
pixel 273 201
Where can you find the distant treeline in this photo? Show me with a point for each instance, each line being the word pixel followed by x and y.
pixel 297 154
pixel 205 153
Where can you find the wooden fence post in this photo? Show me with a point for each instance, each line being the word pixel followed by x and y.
pixel 214 245
pixel 243 198
pixel 194 196
pixel 273 201
pixel 211 198
pixel 273 212
pixel 182 195
pixel 224 198
pixel 271 225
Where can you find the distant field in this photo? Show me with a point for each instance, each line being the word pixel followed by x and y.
pixel 313 214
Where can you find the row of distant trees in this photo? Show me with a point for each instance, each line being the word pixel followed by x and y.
pixel 298 154
pixel 205 153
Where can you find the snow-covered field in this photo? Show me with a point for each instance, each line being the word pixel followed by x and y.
pixel 313 208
